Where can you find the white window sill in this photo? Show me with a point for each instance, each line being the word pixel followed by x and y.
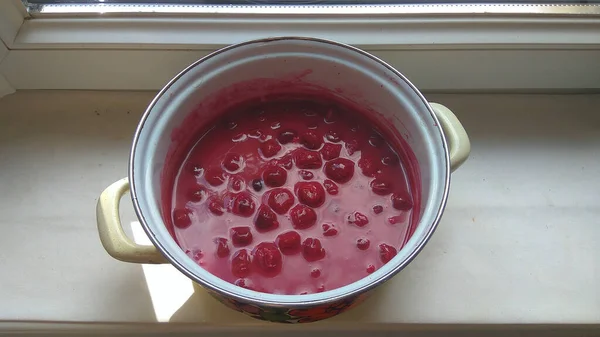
pixel 518 242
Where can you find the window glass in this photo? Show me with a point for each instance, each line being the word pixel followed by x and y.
pixel 367 7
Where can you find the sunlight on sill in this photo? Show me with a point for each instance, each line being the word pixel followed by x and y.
pixel 168 288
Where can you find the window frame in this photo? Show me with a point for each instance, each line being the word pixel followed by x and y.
pixel 442 53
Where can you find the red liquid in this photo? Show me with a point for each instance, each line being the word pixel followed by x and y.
pixel 292 197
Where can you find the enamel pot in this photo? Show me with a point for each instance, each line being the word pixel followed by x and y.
pixel 253 69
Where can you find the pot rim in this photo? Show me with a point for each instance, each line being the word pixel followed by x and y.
pixel 301 302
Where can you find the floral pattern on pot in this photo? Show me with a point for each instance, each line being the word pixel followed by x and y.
pixel 287 315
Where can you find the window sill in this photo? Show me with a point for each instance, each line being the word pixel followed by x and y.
pixel 518 242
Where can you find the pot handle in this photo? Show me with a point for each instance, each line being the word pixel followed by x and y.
pixel 459 145
pixel 115 241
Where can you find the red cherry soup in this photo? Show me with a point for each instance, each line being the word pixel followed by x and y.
pixel 292 196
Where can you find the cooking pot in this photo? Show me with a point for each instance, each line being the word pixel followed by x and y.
pixel 251 70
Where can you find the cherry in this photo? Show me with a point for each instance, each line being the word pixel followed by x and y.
pixel 376 141
pixel 390 160
pixel 239 137
pixel 370 269
pixel 352 146
pixel 257 185
pixel 377 209
pixel 339 170
pixel 222 247
pixel 280 200
pixel 215 205
pixel 315 273
pixel 214 176
pixel 306 159
pixel 236 183
pixel 267 259
pixel 395 219
pixel 303 217
pixel 199 194
pixel 241 236
pixel 312 250
pixel 401 202
pixel 381 187
pixel 196 170
pixel 288 242
pixel 244 283
pixel 386 252
pixel 197 255
pixel 270 148
pixel 274 176
pixel 310 193
pixel 242 204
pixel 330 187
pixel 265 219
pixel 257 134
pixel 333 136
pixel 363 244
pixel 368 166
pixel 286 136
pixel 358 219
pixel 331 151
pixel 308 111
pixel 306 175
pixel 311 140
pixel 329 229
pixel 330 116
pixel 286 162
pixel 321 288
pixel 240 263
pixel 182 218
pixel 232 162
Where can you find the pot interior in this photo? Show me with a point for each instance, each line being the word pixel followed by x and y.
pixel 259 68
